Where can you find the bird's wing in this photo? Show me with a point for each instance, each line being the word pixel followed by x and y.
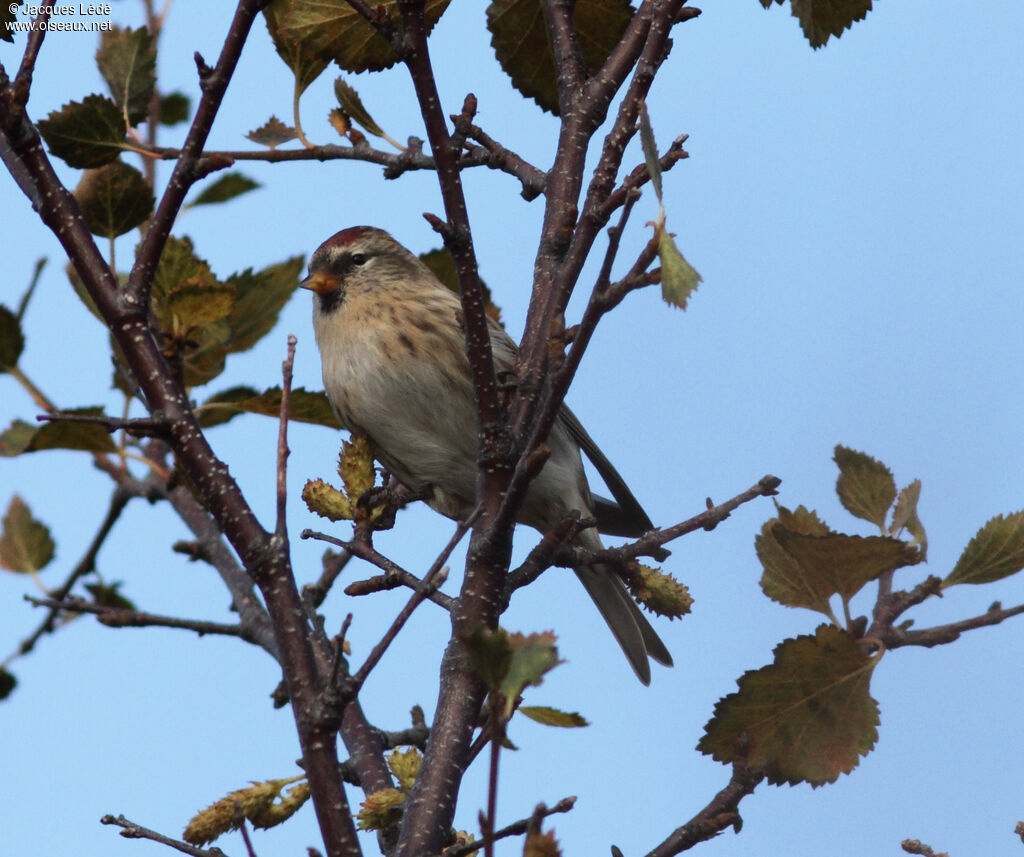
pixel 624 516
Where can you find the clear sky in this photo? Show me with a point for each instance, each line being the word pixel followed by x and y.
pixel 857 214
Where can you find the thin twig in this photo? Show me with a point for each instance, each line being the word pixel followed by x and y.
pixel 720 813
pixel 517 828
pixel 131 830
pixel 148 427
pixel 650 542
pixel 118 500
pixel 894 637
pixel 281 528
pixel 434 578
pixel 120 617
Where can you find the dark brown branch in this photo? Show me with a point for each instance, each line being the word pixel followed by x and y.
pixel 314 594
pixel 23 80
pixel 213 83
pixel 720 813
pixel 488 154
pixel 131 830
pixel 894 637
pixel 434 578
pixel 651 543
pixel 394 575
pixel 119 617
pixel 152 427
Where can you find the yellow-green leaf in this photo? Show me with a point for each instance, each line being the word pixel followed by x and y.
pixel 865 486
pixel 553 717
pixel 679 280
pixel 198 304
pixel 25 543
pixel 325 500
pixel 995 552
pixel 807 717
pixel 905 516
pixel 650 150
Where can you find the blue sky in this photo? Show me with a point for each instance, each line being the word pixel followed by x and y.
pixel 856 214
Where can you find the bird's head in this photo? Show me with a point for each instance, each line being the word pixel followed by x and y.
pixel 362 257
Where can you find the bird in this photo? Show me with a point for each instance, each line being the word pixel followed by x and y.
pixel 395 369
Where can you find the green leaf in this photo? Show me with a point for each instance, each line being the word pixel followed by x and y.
pixel 174 108
pixel 261 296
pixel 807 717
pixel 679 280
pixel 519 36
pixel 995 552
pixel 308 33
pixel 16 438
pixel 25 543
pixel 127 60
pixel 552 716
pixel 12 340
pixel 533 655
pixel 228 186
pixel 272 133
pixel 865 485
pixel 650 150
pixel 85 134
pixel 905 516
pixel 820 19
pixel 306 407
pixel 114 199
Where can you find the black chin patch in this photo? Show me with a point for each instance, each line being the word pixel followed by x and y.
pixel 330 301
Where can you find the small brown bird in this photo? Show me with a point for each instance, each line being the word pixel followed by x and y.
pixel 395 369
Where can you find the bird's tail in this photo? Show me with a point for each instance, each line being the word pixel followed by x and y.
pixel 634 633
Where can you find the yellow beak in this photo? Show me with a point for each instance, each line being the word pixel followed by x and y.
pixel 320 282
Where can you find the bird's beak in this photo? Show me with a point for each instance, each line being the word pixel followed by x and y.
pixel 320 282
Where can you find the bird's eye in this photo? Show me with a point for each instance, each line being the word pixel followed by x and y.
pixel 358 258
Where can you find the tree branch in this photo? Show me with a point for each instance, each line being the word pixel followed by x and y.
pixel 120 617
pixel 131 830
pixel 721 812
